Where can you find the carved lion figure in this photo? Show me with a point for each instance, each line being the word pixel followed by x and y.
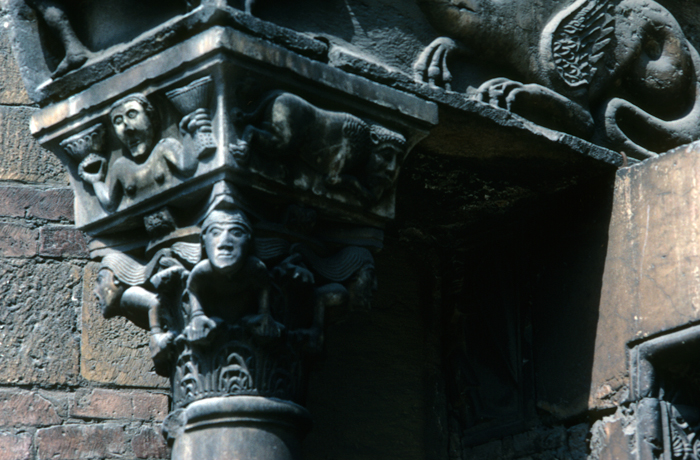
pixel 618 72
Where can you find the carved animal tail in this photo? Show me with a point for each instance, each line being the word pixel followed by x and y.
pixel 653 135
pixel 242 118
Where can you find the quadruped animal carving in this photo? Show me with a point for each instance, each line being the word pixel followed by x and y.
pixel 345 152
pixel 620 73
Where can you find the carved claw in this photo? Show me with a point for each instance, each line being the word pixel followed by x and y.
pixel 72 61
pixel 92 169
pixel 498 92
pixel 431 65
pixel 201 330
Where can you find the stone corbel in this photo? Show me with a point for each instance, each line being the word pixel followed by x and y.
pixel 234 192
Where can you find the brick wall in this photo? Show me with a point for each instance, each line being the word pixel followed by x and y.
pixel 72 385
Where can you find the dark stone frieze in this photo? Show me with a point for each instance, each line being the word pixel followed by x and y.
pixel 573 62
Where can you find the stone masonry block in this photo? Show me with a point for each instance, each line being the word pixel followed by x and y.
pixel 80 442
pixel 27 201
pixel 149 444
pixel 17 241
pixel 38 322
pixel 651 281
pixel 113 351
pixel 11 85
pixel 111 404
pixel 15 447
pixel 21 408
pixel 22 158
pixel 62 241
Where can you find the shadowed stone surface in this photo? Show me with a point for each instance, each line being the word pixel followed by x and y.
pixel 38 327
pixel 113 351
pixel 652 274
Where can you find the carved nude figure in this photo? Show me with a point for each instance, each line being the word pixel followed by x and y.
pixel 348 153
pixel 231 284
pixel 145 168
pixel 620 73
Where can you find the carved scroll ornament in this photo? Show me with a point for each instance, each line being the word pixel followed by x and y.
pixel 619 73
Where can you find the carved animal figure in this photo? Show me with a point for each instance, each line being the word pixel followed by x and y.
pixel 76 54
pixel 620 73
pixel 347 152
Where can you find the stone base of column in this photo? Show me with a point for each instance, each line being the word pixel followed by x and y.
pixel 242 428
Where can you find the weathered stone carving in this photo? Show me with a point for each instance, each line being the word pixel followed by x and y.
pixel 572 62
pixel 229 233
pixel 323 150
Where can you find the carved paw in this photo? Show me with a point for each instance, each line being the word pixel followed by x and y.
pixel 92 169
pixel 499 92
pixel 264 328
pixel 72 61
pixel 201 330
pixel 431 65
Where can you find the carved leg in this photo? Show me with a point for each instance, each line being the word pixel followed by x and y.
pixel 56 19
pixel 538 104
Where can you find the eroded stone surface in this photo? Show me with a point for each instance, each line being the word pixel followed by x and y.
pixel 23 408
pixel 652 274
pixel 28 162
pixel 11 88
pixel 38 323
pixel 113 351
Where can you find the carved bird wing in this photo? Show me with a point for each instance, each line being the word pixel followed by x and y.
pixel 581 40
pixel 126 268
pixel 340 266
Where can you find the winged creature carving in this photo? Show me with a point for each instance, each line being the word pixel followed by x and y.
pixel 620 73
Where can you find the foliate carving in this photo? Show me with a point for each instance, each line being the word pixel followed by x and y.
pixel 85 143
pixel 573 62
pixel 682 438
pixel 192 101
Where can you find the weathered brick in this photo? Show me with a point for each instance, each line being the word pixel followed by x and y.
pixel 111 404
pixel 62 241
pixel 113 351
pixel 21 408
pixel 21 201
pixel 15 447
pixel 39 343
pixel 11 86
pixel 23 158
pixel 149 444
pixel 17 241
pixel 78 442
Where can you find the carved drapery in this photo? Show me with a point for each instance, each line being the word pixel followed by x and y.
pixel 234 191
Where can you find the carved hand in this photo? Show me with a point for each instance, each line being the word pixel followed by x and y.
pixel 201 330
pixel 92 169
pixel 263 327
pixel 431 65
pixel 168 277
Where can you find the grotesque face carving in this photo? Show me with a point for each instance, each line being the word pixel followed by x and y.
pixel 134 128
pixel 382 168
pixel 108 291
pixel 226 236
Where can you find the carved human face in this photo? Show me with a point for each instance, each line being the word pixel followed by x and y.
pixel 134 128
pixel 226 242
pixel 382 169
pixel 108 292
